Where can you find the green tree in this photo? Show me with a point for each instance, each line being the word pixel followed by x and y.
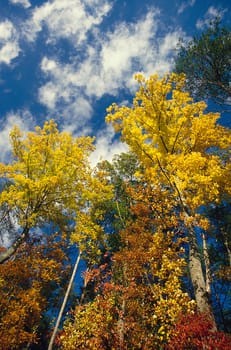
pixel 120 174
pixel 206 62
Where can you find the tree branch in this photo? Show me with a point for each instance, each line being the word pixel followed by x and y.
pixel 13 248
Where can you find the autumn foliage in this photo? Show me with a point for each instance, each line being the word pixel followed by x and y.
pixel 139 294
pixel 144 225
pixel 183 149
pixel 196 332
pixel 26 294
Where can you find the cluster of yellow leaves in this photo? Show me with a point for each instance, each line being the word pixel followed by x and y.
pixel 49 174
pixel 93 327
pixel 50 180
pixel 154 295
pixel 178 144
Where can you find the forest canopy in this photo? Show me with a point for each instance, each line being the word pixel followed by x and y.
pixel 152 228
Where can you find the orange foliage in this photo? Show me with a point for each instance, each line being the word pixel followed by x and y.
pixel 139 299
pixel 27 282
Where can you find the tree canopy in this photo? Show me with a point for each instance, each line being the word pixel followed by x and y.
pixel 182 149
pixel 150 227
pixel 206 62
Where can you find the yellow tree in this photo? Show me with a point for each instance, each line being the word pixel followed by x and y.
pixel 183 149
pixel 48 181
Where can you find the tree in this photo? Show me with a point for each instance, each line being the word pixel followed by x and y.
pixel 138 294
pixel 48 182
pixel 30 287
pixel 206 62
pixel 120 174
pixel 183 150
pixel 220 258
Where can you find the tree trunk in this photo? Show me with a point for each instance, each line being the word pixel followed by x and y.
pixel 50 347
pixel 227 246
pixel 197 277
pixel 13 248
pixel 208 276
pixel 121 326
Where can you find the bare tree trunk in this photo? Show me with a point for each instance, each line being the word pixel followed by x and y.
pixel 208 276
pixel 121 327
pixel 197 277
pixel 64 302
pixel 13 248
pixel 227 246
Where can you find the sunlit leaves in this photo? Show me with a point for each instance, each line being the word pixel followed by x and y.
pixel 50 181
pixel 177 143
pixel 47 175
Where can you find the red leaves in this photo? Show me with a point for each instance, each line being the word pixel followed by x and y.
pixel 195 332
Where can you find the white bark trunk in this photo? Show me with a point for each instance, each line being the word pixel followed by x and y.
pixel 64 302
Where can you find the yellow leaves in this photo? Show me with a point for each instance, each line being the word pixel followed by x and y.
pixel 176 142
pixel 198 176
pixel 1 281
pixel 90 331
pixel 50 176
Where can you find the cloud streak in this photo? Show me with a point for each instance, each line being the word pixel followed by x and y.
pixel 24 3
pixel 211 14
pixel 69 19
pixel 184 5
pixel 9 47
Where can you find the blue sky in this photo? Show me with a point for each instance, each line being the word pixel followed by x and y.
pixel 70 59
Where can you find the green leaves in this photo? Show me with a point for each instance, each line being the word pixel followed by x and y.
pixel 206 62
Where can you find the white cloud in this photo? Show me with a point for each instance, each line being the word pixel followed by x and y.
pixel 209 16
pixel 23 120
pixel 108 65
pixel 130 48
pixel 49 94
pixel 9 47
pixel 70 19
pixel 63 94
pixel 24 3
pixel 166 51
pixel 185 4
pixel 106 146
pixel 59 86
pixel 127 50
